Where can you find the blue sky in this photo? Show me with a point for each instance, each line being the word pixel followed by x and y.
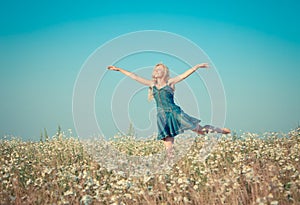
pixel 255 47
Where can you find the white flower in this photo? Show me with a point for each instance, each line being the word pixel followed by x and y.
pixel 69 192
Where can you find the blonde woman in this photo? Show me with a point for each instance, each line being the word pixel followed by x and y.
pixel 171 119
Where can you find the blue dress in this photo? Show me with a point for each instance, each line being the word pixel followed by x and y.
pixel 171 119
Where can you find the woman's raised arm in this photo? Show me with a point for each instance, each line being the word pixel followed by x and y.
pixel 187 73
pixel 131 75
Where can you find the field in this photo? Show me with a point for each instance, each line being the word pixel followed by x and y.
pixel 239 170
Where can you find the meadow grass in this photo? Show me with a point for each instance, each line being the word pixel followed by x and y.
pixel 241 170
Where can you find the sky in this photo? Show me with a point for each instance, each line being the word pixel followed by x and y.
pixel 44 45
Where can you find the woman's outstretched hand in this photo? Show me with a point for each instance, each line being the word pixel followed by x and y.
pixel 202 65
pixel 111 67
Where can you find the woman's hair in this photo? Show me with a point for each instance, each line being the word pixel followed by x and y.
pixel 167 76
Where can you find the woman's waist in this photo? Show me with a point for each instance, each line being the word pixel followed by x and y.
pixel 161 108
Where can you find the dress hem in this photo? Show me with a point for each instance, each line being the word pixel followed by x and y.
pixel 180 131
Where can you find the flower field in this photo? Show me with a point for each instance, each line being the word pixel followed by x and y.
pixel 240 170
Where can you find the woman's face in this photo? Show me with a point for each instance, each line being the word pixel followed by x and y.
pixel 159 72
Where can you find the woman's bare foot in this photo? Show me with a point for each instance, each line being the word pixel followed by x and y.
pixel 225 131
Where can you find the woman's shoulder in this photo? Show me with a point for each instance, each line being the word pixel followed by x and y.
pixel 152 85
pixel 170 84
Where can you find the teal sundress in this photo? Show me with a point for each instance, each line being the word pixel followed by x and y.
pixel 171 119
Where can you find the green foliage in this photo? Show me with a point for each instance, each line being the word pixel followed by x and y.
pixel 46 135
pixel 131 131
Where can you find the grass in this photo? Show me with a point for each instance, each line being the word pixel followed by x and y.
pixel 247 169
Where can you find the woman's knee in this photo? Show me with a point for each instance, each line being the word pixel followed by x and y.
pixel 169 139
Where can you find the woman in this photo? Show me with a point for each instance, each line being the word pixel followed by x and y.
pixel 171 119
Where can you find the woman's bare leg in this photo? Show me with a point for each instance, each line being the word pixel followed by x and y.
pixel 209 128
pixel 169 141
pixel 199 130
